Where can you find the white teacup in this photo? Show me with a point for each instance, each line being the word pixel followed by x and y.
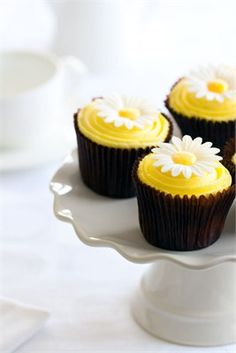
pixel 33 90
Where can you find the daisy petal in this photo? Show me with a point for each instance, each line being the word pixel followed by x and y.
pixel 118 123
pixel 129 124
pixel 201 94
pixel 166 168
pixel 176 141
pixel 176 170
pixel 155 150
pixel 219 98
pixel 109 119
pixel 187 140
pixel 158 163
pixel 210 96
pixel 215 150
pixel 197 170
pixel 207 144
pixel 195 144
pixel 187 172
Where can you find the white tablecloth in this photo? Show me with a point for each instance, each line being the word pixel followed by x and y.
pixel 87 290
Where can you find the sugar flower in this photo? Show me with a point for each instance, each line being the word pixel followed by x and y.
pixel 126 110
pixel 187 156
pixel 213 82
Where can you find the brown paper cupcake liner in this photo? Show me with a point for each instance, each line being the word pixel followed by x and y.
pixel 216 132
pixel 228 152
pixel 106 170
pixel 181 223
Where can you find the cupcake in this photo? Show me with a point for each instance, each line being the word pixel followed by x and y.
pixel 184 194
pixel 204 104
pixel 112 132
pixel 229 156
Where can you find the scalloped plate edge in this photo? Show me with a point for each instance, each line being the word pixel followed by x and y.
pixel 141 259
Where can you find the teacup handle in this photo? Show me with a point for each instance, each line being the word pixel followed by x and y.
pixel 75 73
pixel 74 65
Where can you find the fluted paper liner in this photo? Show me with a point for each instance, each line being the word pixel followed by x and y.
pixel 218 132
pixel 181 223
pixel 107 170
pixel 228 152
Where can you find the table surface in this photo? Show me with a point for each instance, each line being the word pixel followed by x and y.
pixel 86 290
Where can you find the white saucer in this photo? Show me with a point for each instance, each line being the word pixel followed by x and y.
pixel 54 146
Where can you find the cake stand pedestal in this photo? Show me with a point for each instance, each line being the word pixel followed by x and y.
pixel 193 307
pixel 184 297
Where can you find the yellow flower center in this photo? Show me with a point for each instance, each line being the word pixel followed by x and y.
pixel 130 113
pixel 233 159
pixel 185 158
pixel 217 86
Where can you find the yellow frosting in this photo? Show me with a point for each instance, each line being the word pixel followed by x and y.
pixel 233 159
pixel 185 102
pixel 210 183
pixel 96 129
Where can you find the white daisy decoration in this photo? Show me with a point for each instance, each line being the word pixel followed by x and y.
pixel 187 156
pixel 213 82
pixel 126 110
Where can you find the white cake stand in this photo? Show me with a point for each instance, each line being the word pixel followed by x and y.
pixel 184 297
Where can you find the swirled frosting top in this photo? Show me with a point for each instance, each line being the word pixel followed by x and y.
pixel 184 167
pixel 123 122
pixel 209 93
